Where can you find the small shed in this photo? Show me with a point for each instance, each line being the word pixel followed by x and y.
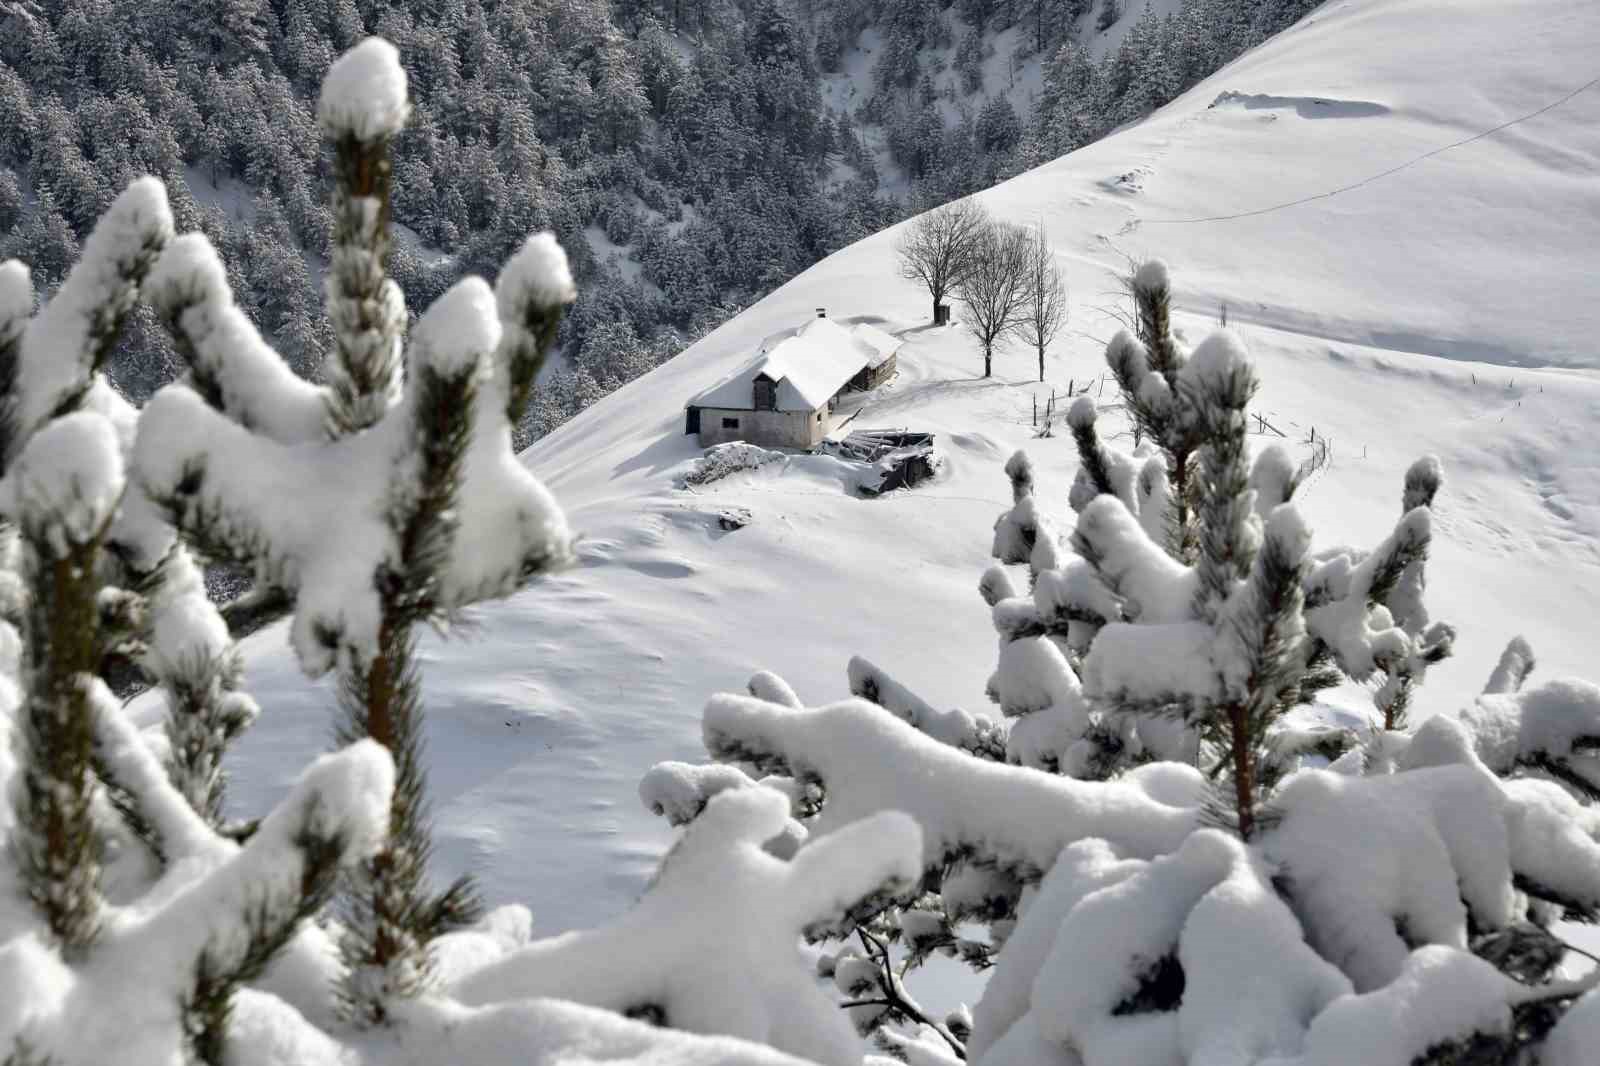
pixel 786 396
pixel 898 459
pixel 881 350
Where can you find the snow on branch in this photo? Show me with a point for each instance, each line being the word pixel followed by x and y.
pixel 190 654
pixel 230 365
pixel 1554 726
pixel 542 1032
pixel 1511 672
pixel 1446 1006
pixel 61 492
pixel 220 480
pixel 1342 594
pixel 867 762
pixel 1150 585
pixel 766 685
pixel 168 632
pixel 125 759
pixel 711 947
pixel 532 290
pixel 1356 884
pixel 1429 846
pixel 1146 961
pixel 972 733
pixel 364 93
pixel 63 489
pixel 679 791
pixel 161 968
pixel 64 345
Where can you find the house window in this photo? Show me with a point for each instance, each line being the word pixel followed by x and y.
pixel 730 423
pixel 766 394
pixel 819 416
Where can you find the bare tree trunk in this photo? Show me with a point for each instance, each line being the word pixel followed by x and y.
pixel 988 353
pixel 1041 368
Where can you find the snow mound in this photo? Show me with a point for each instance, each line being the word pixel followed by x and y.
pixel 727 459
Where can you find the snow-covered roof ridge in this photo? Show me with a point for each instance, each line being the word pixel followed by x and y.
pixel 876 343
pixel 809 364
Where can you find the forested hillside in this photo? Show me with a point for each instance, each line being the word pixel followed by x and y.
pixel 692 154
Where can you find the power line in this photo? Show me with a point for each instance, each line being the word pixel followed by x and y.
pixel 1384 174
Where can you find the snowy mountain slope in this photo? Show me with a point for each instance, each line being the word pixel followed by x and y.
pixel 1447 308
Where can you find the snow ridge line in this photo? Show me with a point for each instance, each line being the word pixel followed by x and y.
pixel 1383 174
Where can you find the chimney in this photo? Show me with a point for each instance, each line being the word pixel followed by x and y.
pixel 822 312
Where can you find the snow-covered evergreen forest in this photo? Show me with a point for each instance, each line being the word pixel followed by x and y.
pixel 690 155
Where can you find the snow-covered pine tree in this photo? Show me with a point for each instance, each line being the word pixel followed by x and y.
pixel 424 507
pixel 162 623
pixel 87 788
pixel 1388 902
pixel 1315 618
pixel 363 106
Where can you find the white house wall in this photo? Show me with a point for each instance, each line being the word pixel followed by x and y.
pixel 771 429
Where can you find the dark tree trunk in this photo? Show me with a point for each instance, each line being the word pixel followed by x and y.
pixel 1243 772
pixel 1178 475
pixel 987 354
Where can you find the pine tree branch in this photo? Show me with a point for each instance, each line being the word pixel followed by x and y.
pixel 382 699
pixel 1574 910
pixel 365 307
pixel 895 997
pixel 80 324
pixel 1558 769
pixel 126 804
pixel 207 1007
pixel 1091 454
pixel 54 839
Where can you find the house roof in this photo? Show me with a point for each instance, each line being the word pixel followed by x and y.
pixel 878 344
pixel 810 365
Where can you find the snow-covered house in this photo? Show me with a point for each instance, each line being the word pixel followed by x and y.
pixel 787 395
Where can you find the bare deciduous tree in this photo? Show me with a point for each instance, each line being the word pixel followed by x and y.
pixel 1044 311
pixel 936 248
pixel 994 286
